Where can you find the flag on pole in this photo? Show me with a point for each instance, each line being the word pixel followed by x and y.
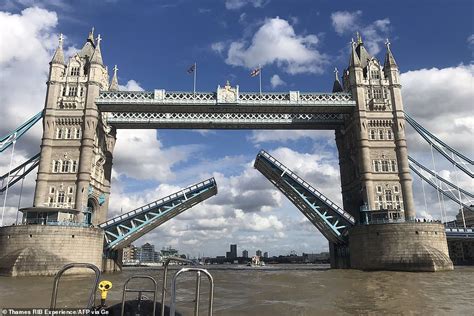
pixel 255 72
pixel 191 69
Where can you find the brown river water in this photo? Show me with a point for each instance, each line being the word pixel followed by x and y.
pixel 277 290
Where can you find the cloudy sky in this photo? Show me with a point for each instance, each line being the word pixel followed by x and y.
pixel 298 43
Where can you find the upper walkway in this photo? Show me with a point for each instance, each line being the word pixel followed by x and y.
pixel 226 108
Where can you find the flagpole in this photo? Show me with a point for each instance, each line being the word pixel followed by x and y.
pixel 260 77
pixel 195 71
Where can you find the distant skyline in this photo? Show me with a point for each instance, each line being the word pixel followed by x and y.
pixel 297 43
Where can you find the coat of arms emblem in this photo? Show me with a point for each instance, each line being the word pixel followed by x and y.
pixel 227 94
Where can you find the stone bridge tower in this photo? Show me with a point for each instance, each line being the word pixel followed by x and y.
pixel 76 150
pixel 373 159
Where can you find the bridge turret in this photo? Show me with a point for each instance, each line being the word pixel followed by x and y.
pixel 372 146
pixel 336 87
pixel 76 150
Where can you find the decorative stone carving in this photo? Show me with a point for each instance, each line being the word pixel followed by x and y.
pixel 227 94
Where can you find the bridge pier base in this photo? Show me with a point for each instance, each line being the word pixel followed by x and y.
pixel 406 246
pixel 27 250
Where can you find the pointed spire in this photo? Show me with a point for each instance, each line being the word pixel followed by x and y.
pixel 114 83
pixel 58 57
pixel 97 55
pixel 354 61
pixel 336 87
pixel 389 60
pixel 90 38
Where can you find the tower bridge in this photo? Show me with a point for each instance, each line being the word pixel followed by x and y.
pixel 374 229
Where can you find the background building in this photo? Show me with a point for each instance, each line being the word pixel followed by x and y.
pixel 258 253
pixel 245 254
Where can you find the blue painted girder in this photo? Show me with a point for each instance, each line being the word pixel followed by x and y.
pixel 18 173
pixel 8 140
pixel 122 230
pixel 332 221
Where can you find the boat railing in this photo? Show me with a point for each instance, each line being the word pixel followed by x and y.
pixel 69 266
pixel 198 272
pixel 140 292
pixel 165 277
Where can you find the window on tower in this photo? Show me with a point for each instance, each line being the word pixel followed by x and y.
pixel 59 133
pixel 72 91
pixel 65 167
pixel 68 133
pixel 61 197
pixel 374 74
pixel 56 165
pixel 74 71
pixel 378 93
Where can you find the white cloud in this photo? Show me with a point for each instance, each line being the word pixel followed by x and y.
pixel 238 4
pixel 344 21
pixel 276 42
pixel 131 85
pixel 276 81
pixel 218 47
pixel 373 34
pixel 258 137
pixel 441 101
pixel 24 65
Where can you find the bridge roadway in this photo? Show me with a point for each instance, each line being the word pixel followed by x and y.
pixel 225 109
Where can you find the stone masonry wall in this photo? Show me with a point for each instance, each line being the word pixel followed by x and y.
pixel 399 246
pixel 43 250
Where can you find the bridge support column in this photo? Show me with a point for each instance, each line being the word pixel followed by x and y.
pixel 339 256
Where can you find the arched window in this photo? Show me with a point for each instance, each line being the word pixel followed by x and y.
pixel 394 166
pixel 56 165
pixel 59 133
pixel 381 134
pixel 389 134
pixel 77 132
pixel 68 133
pixel 385 166
pixel 73 165
pixel 65 167
pixel 372 134
pixel 61 197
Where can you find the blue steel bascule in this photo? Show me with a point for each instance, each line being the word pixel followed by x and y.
pixel 83 111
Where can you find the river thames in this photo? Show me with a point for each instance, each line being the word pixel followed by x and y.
pixel 277 290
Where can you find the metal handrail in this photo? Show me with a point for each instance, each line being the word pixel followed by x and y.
pixel 54 294
pixel 158 202
pixel 165 277
pixel 139 291
pixel 198 289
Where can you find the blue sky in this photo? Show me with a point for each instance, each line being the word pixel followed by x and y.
pixel 298 43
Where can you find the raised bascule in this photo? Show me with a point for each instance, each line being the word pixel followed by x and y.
pixel 374 229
